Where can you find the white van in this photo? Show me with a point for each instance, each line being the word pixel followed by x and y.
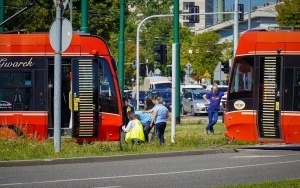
pixel 189 87
pixel 157 82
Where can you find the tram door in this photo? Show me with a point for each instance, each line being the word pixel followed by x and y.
pixel 84 93
pixel 268 115
pixel 66 128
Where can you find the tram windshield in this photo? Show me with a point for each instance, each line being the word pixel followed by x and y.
pixel 242 77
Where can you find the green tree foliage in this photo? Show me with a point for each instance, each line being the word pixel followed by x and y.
pixel 288 13
pixel 37 18
pixel 153 32
pixel 103 16
pixel 202 51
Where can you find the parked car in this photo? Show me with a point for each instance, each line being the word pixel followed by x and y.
pixel 193 102
pixel 142 95
pixel 189 87
pixel 128 94
pixel 166 94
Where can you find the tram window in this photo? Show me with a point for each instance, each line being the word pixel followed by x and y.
pixel 6 79
pixel 22 79
pixel 296 106
pixel 298 78
pixel 15 94
pixel 107 90
pixel 242 79
pixel 15 99
pixel 296 99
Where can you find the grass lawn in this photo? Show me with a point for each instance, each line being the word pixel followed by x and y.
pixel 294 183
pixel 187 137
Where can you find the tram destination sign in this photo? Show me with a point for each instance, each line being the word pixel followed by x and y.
pixel 22 62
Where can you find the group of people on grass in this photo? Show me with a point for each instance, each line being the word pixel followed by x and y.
pixel 138 124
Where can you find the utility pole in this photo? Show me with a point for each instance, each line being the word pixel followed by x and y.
pixel 175 71
pixel 121 47
pixel 57 77
pixel 85 16
pixel 235 26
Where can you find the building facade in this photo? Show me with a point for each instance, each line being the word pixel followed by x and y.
pixel 202 6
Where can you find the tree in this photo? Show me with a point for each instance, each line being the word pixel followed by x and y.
pixel 103 16
pixel 37 18
pixel 288 13
pixel 202 51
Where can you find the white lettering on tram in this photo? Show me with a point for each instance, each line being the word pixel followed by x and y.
pixel 6 64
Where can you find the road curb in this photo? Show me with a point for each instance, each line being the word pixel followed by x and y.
pixel 111 158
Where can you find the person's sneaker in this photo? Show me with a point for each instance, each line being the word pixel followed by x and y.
pixel 205 131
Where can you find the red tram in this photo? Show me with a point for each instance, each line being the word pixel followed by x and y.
pixel 91 106
pixel 263 101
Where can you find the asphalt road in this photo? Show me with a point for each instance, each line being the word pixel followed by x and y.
pixel 202 170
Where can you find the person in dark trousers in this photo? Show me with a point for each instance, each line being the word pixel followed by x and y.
pixel 159 119
pixel 127 107
pixel 148 128
pixel 214 99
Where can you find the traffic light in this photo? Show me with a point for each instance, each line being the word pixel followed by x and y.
pixel 241 9
pixel 143 70
pixel 161 56
pixel 225 68
pixel 133 63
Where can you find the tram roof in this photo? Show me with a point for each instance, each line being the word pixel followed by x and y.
pixel 273 42
pixel 39 44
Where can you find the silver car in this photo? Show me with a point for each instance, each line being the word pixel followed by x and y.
pixel 193 102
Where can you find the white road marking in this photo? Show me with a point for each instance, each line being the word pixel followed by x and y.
pixel 262 156
pixel 156 174
pixel 256 156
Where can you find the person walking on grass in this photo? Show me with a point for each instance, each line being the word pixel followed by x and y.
pixel 159 119
pixel 147 127
pixel 214 99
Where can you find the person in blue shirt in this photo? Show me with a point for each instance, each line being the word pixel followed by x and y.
pixel 214 99
pixel 159 119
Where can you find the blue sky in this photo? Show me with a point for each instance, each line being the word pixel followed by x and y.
pixel 229 3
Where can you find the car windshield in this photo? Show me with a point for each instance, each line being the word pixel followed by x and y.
pixel 163 85
pixel 198 96
pixel 142 94
pixel 223 89
pixel 191 89
pixel 165 94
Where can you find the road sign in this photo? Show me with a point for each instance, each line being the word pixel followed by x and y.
pixel 66 33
